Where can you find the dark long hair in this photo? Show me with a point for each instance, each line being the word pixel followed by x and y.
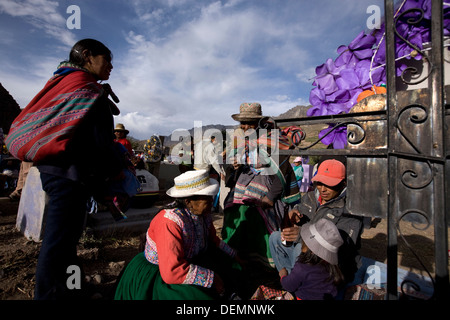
pixel 335 274
pixel 94 48
pixel 177 203
pixel 180 202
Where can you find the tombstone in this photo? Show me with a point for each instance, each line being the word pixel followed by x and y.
pixel 32 207
pixel 167 173
pixel 149 189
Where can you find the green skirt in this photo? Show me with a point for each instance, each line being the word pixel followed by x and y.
pixel 141 280
pixel 245 230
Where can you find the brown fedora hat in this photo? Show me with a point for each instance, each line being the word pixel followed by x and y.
pixel 248 112
pixel 121 127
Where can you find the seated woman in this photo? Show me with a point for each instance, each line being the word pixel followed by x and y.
pixel 183 257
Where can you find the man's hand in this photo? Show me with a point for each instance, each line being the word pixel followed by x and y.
pixel 295 215
pixel 291 233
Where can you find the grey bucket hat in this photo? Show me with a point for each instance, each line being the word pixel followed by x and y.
pixel 323 239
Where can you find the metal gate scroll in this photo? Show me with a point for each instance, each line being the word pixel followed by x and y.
pixel 398 164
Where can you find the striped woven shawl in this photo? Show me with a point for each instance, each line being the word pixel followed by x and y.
pixel 43 129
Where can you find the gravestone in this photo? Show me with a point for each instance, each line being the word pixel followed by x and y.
pixel 32 207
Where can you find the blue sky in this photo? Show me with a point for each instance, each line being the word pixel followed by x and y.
pixel 180 61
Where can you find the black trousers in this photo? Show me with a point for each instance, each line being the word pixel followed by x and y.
pixel 64 223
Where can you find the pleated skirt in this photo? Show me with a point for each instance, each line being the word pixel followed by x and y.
pixel 141 280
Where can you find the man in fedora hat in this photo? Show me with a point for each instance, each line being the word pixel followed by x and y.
pixel 248 112
pixel 121 136
pixel 257 200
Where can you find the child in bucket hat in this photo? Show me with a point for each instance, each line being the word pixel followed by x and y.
pixel 316 275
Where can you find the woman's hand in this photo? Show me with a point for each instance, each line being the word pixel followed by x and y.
pixel 283 272
pixel 218 284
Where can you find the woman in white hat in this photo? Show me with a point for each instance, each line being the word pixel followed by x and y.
pixel 181 247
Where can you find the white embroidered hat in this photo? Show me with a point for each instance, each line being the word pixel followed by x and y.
pixel 323 239
pixel 193 183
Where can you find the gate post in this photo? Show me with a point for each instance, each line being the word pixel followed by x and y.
pixel 436 86
pixel 391 147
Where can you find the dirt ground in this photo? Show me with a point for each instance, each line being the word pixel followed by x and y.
pixel 104 258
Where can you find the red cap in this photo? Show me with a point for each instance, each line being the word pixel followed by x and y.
pixel 330 173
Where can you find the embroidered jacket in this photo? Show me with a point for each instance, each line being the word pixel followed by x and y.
pixel 174 237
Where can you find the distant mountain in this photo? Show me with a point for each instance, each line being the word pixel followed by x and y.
pixel 295 112
pixel 168 139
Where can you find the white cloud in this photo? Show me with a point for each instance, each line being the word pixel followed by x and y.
pixel 205 68
pixel 23 89
pixel 183 61
pixel 307 75
pixel 276 107
pixel 43 15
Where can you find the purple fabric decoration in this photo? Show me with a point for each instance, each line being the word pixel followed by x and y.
pixel 338 83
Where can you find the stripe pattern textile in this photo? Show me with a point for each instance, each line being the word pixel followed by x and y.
pixel 44 128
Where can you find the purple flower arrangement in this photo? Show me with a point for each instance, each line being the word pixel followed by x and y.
pixel 361 65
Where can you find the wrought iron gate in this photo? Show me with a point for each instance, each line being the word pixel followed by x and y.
pixel 398 151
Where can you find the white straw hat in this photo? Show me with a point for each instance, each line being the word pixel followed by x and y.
pixel 193 183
